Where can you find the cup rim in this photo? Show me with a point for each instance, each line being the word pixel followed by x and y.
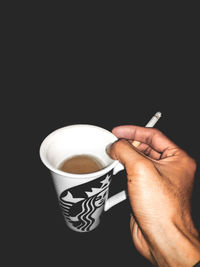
pixel 74 175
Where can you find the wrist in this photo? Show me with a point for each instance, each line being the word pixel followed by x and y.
pixel 172 246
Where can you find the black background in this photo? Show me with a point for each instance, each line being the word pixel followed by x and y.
pixel 85 74
pixel 44 235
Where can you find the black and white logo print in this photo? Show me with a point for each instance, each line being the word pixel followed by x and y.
pixel 79 203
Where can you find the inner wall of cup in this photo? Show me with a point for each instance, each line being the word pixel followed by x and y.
pixel 78 140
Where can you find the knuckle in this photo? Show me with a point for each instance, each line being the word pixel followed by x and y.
pixel 142 166
pixel 189 163
pixel 193 164
pixel 155 131
pixel 116 148
pixel 118 145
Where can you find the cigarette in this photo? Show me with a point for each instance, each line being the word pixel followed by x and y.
pixel 151 123
pixel 154 119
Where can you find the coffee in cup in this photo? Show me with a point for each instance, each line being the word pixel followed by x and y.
pixel 81 164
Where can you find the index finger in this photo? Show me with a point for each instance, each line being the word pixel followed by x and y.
pixel 150 136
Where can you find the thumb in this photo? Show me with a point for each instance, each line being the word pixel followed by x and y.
pixel 135 163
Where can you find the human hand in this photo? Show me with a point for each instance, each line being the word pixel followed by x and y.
pixel 160 179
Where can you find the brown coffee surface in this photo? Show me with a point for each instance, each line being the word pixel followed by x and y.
pixel 81 164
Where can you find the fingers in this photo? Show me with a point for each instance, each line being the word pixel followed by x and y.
pixel 132 223
pixel 128 155
pixel 123 151
pixel 139 240
pixel 150 136
pixel 148 151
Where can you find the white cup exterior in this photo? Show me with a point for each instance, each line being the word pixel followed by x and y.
pixel 87 192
